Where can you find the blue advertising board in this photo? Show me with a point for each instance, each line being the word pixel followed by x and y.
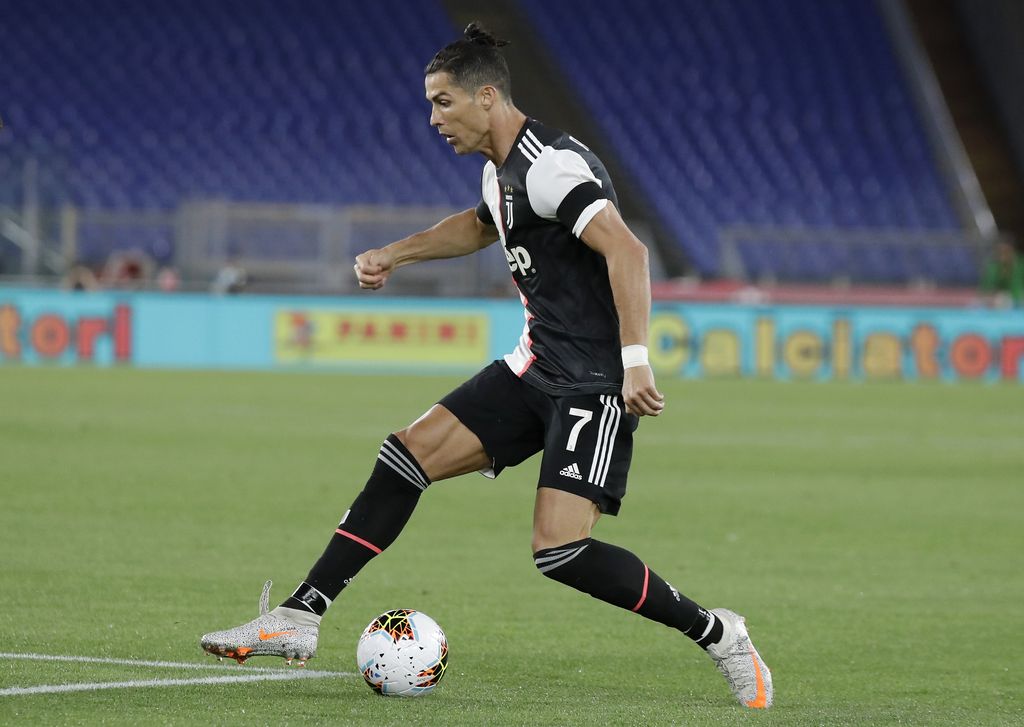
pixel 416 335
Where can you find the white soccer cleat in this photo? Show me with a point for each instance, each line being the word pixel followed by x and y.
pixel 268 635
pixel 740 664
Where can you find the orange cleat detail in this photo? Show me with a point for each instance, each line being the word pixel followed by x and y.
pixel 760 700
pixel 267 635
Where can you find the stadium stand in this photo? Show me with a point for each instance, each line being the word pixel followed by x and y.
pixel 751 125
pixel 767 116
pixel 146 105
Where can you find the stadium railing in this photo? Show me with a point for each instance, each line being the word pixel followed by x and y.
pixel 852 256
pixel 296 248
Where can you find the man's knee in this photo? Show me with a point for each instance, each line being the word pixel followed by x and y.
pixel 413 438
pixel 403 436
pixel 561 517
pixel 547 538
pixel 423 439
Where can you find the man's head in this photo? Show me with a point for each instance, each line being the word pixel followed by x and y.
pixel 464 82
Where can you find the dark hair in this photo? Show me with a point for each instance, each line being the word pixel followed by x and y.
pixel 474 61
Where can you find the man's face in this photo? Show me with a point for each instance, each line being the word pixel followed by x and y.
pixel 458 115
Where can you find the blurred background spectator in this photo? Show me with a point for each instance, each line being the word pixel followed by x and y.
pixel 1003 276
pixel 80 277
pixel 127 270
pixel 168 280
pixel 231 278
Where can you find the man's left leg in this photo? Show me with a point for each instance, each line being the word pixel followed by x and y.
pixel 564 551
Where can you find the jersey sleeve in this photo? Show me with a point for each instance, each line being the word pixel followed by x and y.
pixel 483 213
pixel 562 187
pixel 488 181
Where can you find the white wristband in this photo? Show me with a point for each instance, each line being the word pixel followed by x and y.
pixel 635 355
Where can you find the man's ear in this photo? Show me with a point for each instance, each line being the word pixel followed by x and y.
pixel 486 97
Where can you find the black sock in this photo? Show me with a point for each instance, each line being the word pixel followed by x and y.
pixel 615 575
pixel 372 523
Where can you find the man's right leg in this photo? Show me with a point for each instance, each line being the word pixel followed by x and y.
pixel 435 447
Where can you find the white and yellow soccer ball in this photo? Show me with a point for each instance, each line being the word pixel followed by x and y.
pixel 402 653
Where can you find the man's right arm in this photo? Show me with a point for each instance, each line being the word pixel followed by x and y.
pixel 461 234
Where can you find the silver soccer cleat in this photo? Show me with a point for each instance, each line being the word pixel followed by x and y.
pixel 740 664
pixel 267 635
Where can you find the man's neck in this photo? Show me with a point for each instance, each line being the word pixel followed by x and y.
pixel 504 130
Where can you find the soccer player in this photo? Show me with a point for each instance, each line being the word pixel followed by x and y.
pixel 574 387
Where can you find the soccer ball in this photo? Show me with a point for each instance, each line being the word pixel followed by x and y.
pixel 402 653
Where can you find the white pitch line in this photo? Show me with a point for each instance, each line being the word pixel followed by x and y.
pixel 262 674
pixel 141 662
pixel 135 684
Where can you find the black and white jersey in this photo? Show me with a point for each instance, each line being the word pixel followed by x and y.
pixel 541 199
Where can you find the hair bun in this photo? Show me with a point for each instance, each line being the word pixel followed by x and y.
pixel 475 33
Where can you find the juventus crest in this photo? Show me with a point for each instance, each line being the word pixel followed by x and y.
pixel 509 218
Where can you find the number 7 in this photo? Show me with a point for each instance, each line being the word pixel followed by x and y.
pixel 585 416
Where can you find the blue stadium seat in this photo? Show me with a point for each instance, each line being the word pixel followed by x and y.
pixel 763 113
pixel 149 104
pixel 774 113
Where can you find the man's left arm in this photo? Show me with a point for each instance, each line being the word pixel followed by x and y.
pixel 630 280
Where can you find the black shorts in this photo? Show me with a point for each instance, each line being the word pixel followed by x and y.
pixel 587 439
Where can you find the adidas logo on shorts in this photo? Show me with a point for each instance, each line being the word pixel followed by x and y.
pixel 572 471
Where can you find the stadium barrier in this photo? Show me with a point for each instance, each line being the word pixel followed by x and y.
pixel 297 248
pixel 772 253
pixel 372 333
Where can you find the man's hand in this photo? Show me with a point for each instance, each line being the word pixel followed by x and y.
pixel 373 268
pixel 638 391
pixel 459 234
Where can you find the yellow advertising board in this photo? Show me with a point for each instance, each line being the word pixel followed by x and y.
pixel 339 336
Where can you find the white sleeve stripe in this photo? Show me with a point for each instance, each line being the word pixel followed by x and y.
pixel 534 141
pixel 531 155
pixel 532 145
pixel 587 215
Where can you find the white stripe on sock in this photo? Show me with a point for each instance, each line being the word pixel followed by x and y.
pixel 563 561
pixel 413 468
pixel 548 557
pixel 399 470
pixel 711 625
pixel 389 459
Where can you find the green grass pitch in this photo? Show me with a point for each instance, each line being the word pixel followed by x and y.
pixel 870 533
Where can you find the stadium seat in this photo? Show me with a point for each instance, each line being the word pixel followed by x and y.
pixel 773 113
pixel 146 105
